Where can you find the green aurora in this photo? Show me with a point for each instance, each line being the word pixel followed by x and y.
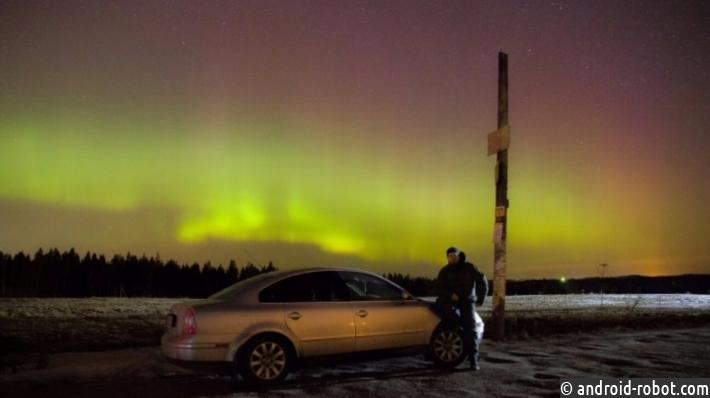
pixel 312 148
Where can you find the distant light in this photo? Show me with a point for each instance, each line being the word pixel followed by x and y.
pixel 563 279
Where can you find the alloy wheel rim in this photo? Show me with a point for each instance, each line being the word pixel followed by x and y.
pixel 448 346
pixel 267 360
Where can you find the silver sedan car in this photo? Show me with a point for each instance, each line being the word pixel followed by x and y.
pixel 261 327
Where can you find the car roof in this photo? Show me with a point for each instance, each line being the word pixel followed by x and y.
pixel 312 269
pixel 282 274
pixel 261 281
pixel 275 276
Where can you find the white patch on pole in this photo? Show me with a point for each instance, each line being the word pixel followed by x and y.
pixel 499 140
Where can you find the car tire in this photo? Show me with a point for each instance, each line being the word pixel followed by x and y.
pixel 264 360
pixel 447 349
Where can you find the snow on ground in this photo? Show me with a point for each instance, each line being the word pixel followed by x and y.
pixel 84 307
pixel 76 324
pixel 108 347
pixel 571 302
pixel 158 307
pixel 518 368
pixel 47 325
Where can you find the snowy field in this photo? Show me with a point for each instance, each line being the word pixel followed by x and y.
pixel 109 347
pixel 86 324
pixel 77 308
pixel 586 302
pixel 71 308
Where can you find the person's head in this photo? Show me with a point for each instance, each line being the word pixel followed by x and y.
pixel 452 255
pixel 462 257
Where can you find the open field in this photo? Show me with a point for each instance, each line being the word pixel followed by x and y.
pixel 109 347
pixel 47 325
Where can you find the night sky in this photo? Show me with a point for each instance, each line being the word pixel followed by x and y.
pixel 353 133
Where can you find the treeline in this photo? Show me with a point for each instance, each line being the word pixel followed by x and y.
pixel 66 274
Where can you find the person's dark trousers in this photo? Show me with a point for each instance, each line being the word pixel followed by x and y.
pixel 470 341
pixel 446 311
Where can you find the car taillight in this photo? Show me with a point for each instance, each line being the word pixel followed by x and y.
pixel 189 325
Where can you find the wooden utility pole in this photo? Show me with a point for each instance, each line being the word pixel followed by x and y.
pixel 498 143
pixel 601 285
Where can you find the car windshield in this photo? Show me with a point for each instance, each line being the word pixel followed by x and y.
pixel 234 289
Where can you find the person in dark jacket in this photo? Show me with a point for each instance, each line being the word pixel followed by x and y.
pixel 454 289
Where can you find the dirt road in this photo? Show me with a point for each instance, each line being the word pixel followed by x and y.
pixel 517 368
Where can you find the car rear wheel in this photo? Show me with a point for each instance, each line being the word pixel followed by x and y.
pixel 265 360
pixel 447 347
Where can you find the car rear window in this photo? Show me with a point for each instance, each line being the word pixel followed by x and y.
pixel 234 289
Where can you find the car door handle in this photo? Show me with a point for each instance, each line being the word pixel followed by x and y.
pixel 361 313
pixel 295 316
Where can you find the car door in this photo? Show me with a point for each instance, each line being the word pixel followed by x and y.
pixel 316 311
pixel 384 317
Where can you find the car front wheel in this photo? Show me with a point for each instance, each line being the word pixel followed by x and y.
pixel 265 360
pixel 446 348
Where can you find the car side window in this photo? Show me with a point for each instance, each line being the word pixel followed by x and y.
pixel 309 287
pixel 367 287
